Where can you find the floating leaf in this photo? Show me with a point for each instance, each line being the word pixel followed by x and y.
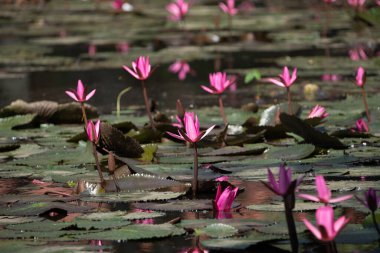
pixel 218 230
pixel 134 232
pixel 236 151
pixel 133 196
pixel 294 152
pixel 279 207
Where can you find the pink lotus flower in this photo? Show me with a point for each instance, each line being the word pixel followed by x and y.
pixel 117 5
pixel 180 67
pixel 219 82
pixel 361 126
pixel 122 47
pixel 324 193
pixel 93 131
pixel 80 94
pixel 360 77
pixel 326 229
pixel 178 10
pixel 318 111
pixel 357 54
pixel 356 3
pixel 284 186
pixel 141 68
pixel 331 77
pixel 191 133
pixel 229 7
pixel 91 51
pixel 371 200
pixel 223 200
pixel 286 79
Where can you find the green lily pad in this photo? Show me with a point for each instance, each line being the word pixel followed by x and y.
pixel 132 196
pixel 134 232
pixel 218 230
pixel 294 152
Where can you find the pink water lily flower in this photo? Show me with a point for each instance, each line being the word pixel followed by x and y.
pixel 93 131
pixel 223 200
pixel 219 82
pixel 361 126
pixel 360 77
pixel 180 67
pixel 356 3
pixel 117 5
pixel 285 79
pixel 326 229
pixel 284 186
pixel 192 133
pixel 371 200
pixel 122 47
pixel 324 193
pixel 178 10
pixel 357 54
pixel 80 94
pixel 318 111
pixel 229 7
pixel 141 68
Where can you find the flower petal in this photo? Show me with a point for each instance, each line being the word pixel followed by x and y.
pixel 72 95
pixel 89 95
pixel 309 197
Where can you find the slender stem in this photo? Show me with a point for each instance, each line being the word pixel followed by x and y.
pixel 84 114
pixel 221 108
pixel 290 110
pixel 364 96
pixel 102 181
pixel 145 93
pixel 230 23
pixel 375 223
pixel 195 176
pixel 331 247
pixel 290 222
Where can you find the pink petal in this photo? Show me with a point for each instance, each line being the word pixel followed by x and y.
pixel 339 199
pixel 207 132
pixel 324 192
pixel 313 229
pixel 218 193
pixel 175 136
pixel 223 7
pixel 325 218
pixel 134 74
pixel 273 182
pixel 72 95
pixel 294 75
pixel 208 89
pixel 191 127
pixel 340 223
pixel 309 197
pixel 283 179
pixel 89 95
pixel 276 82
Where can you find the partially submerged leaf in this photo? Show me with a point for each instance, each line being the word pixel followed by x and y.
pixel 218 230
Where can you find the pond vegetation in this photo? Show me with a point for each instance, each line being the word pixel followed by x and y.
pixel 165 126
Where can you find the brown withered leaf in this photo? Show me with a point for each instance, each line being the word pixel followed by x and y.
pixel 113 140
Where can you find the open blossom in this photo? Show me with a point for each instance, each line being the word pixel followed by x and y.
pixel 229 7
pixel 284 186
pixel 324 193
pixel 224 199
pixel 219 82
pixel 285 79
pixel 360 77
pixel 141 68
pixel 371 200
pixel 318 111
pixel 117 5
pixel 357 54
pixel 122 47
pixel 326 229
pixel 80 94
pixel 356 3
pixel 361 126
pixel 93 131
pixel 178 10
pixel 180 67
pixel 192 133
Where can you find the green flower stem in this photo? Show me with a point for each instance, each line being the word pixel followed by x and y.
pixel 195 176
pixel 145 93
pixel 222 113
